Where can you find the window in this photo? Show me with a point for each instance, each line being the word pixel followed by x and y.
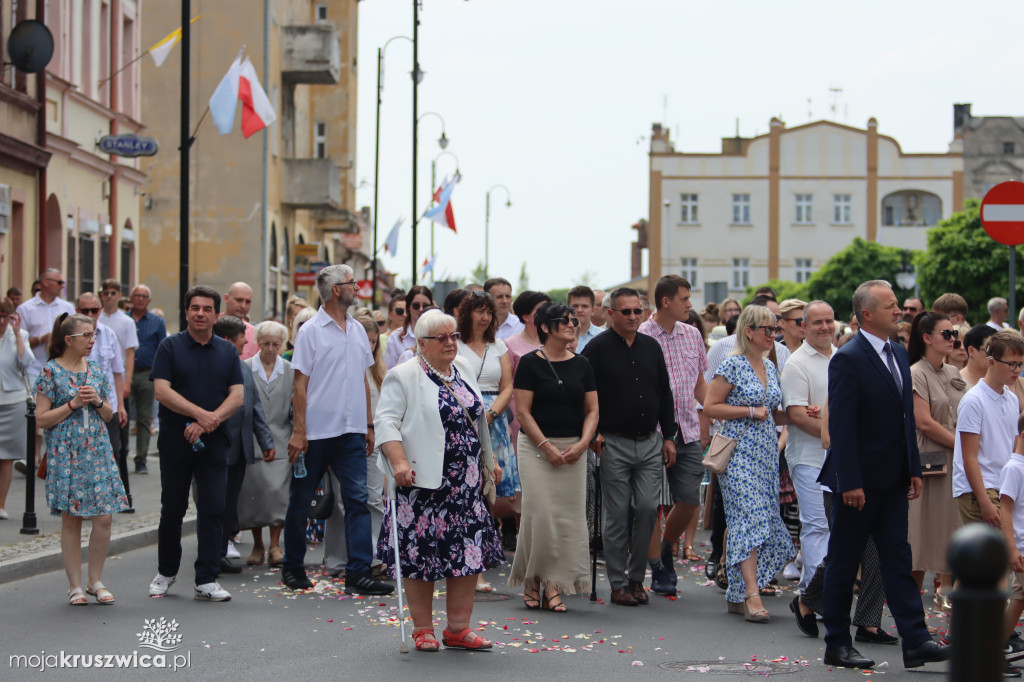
pixel 105 258
pixel 741 209
pixel 803 209
pixel 273 245
pixel 841 209
pixel 1008 148
pixel 803 270
pixel 127 259
pixel 740 273
pixel 688 209
pixel 70 290
pixel 321 12
pixel 689 271
pixel 320 140
pixel 87 262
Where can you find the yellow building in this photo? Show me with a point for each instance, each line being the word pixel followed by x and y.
pixel 70 205
pixel 253 201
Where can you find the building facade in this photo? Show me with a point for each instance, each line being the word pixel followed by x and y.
pixel 69 205
pixel 253 202
pixel 993 148
pixel 778 206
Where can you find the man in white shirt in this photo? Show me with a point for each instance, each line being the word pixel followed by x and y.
pixel 39 313
pixel 998 313
pixel 501 290
pixel 581 300
pixel 804 386
pixel 124 328
pixel 332 414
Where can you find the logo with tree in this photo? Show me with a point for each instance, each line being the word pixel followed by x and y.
pixel 160 635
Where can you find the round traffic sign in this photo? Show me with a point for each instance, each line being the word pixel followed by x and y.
pixel 1002 213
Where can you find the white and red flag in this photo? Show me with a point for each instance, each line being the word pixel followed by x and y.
pixel 442 212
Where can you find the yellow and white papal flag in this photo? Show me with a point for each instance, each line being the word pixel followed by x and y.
pixel 162 48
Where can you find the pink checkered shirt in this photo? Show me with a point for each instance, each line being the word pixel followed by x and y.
pixel 686 359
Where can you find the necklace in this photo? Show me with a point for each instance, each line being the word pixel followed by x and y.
pixel 449 378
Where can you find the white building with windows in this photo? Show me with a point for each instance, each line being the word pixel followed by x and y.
pixel 779 205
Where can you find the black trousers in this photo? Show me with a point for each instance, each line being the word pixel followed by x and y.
pixel 884 519
pixel 117 435
pixel 718 523
pixel 236 474
pixel 179 464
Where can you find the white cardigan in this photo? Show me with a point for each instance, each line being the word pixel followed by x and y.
pixel 407 412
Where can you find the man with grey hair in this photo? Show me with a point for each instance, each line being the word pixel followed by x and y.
pixel 873 468
pixel 150 330
pixel 333 429
pixel 998 313
pixel 38 315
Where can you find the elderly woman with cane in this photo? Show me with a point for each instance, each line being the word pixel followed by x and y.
pixel 430 424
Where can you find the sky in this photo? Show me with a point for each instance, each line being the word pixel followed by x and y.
pixel 555 100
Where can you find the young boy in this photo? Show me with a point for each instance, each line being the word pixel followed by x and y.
pixel 1011 515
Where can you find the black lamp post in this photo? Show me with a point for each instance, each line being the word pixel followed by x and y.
pixel 487 226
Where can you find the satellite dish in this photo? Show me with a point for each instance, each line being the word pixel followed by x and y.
pixel 30 46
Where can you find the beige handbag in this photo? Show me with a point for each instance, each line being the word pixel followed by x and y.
pixel 716 459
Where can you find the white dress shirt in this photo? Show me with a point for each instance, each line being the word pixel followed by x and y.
pixel 107 353
pixel 124 328
pixel 37 317
pixel 257 369
pixel 510 327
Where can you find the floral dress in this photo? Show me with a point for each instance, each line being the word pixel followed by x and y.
pixel 447 532
pixel 81 473
pixel 750 486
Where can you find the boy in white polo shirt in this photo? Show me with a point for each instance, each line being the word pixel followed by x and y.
pixel 985 431
pixel 1011 514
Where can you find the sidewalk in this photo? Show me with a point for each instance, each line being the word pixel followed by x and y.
pixel 24 555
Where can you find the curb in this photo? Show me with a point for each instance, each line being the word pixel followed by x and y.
pixel 48 561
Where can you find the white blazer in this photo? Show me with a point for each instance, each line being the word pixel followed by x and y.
pixel 407 412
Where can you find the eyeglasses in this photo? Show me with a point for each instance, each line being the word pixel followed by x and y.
pixel 628 311
pixel 1015 366
pixel 341 284
pixel 90 311
pixel 798 320
pixel 566 320
pixel 56 281
pixel 111 292
pixel 421 306
pixel 87 335
pixel 768 330
pixel 949 334
pixel 398 311
pixel 443 338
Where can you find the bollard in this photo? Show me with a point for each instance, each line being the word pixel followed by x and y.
pixel 978 557
pixel 29 525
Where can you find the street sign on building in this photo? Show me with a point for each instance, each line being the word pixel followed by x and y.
pixel 1002 213
pixel 307 250
pixel 128 145
pixel 365 289
pixel 305 279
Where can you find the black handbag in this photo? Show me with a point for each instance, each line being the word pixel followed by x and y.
pixel 933 463
pixel 322 505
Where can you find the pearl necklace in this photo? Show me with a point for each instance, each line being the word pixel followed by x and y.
pixel 430 368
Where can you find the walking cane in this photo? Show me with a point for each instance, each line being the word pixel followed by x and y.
pixel 404 648
pixel 596 541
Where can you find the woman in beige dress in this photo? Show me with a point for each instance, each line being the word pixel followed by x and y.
pixel 938 388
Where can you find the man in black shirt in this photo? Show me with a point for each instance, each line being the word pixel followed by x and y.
pixel 635 396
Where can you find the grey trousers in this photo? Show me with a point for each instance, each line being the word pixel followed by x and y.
pixel 630 472
pixel 335 554
pixel 143 392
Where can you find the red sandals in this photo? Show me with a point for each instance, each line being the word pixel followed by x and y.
pixel 467 639
pixel 425 640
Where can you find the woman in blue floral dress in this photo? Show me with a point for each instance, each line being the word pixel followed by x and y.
pixel 430 426
pixel 82 480
pixel 745 396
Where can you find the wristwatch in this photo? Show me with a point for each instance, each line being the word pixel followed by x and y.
pixel 494 415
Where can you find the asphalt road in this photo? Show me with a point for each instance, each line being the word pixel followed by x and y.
pixel 266 632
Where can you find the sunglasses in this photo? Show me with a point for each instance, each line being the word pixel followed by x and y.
pixel 111 292
pixel 566 320
pixel 957 345
pixel 483 294
pixel 56 281
pixel 768 331
pixel 1015 366
pixel 398 311
pixel 90 311
pixel 628 311
pixel 382 323
pixel 949 334
pixel 798 320
pixel 87 335
pixel 421 306
pixel 443 338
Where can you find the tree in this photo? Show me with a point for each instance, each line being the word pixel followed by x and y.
pixel 524 278
pixel 963 259
pixel 559 295
pixel 844 272
pixel 783 289
pixel 478 274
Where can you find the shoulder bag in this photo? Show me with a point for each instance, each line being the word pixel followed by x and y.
pixel 933 463
pixel 716 459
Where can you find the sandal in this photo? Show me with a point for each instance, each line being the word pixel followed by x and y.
pixel 531 601
pixel 554 606
pixel 689 554
pixel 102 594
pixel 761 615
pixel 425 640
pixel 467 639
pixel 484 587
pixel 721 576
pixel 769 591
pixel 76 597
pixel 255 557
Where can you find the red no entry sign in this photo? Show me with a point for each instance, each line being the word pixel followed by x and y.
pixel 1002 213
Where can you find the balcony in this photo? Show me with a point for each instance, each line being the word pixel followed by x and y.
pixel 310 55
pixel 311 184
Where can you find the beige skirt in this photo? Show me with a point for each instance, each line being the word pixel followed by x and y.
pixel 553 546
pixel 932 520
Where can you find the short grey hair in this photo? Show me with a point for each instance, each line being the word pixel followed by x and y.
pixel 270 328
pixel 431 321
pixel 864 300
pixel 328 277
pixel 606 302
pixel 995 303
pixel 818 301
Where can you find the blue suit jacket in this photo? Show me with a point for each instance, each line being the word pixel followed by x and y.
pixel 871 424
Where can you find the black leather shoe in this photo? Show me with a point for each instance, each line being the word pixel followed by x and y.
pixel 865 635
pixel 847 657
pixel 295 579
pixel 808 624
pixel 709 569
pixel 227 567
pixel 929 652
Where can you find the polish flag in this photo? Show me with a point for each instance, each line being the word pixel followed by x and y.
pixel 442 213
pixel 257 111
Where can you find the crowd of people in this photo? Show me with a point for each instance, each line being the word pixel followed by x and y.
pixel 492 422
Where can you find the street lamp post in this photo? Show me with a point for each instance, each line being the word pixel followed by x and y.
pixel 487 226
pixel 433 183
pixel 376 156
pixel 415 122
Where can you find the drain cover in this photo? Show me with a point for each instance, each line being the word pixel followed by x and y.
pixel 490 596
pixel 759 669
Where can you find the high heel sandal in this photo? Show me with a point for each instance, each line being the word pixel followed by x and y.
pixel 424 644
pixel 555 606
pixel 689 554
pixel 759 616
pixel 531 601
pixel 942 602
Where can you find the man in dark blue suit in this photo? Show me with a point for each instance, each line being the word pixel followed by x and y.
pixel 873 468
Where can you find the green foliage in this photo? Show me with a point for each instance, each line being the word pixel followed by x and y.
pixel 524 278
pixel 478 275
pixel 844 272
pixel 783 289
pixel 963 259
pixel 559 295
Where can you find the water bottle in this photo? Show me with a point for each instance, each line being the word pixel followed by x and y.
pixel 299 468
pixel 198 446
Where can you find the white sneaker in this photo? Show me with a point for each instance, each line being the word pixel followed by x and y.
pixel 791 572
pixel 799 561
pixel 3 514
pixel 232 551
pixel 160 585
pixel 211 592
